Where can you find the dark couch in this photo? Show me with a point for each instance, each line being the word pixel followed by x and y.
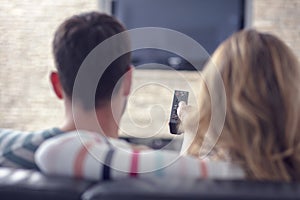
pixel 26 184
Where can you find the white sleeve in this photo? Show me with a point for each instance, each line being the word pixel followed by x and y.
pixel 84 157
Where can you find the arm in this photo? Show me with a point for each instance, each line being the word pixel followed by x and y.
pixel 189 117
pixel 97 160
pixel 17 148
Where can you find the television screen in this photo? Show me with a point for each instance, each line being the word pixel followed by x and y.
pixel 209 22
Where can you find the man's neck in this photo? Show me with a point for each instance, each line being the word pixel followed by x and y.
pixel 101 120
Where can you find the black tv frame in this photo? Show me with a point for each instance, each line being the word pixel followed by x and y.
pixel 109 6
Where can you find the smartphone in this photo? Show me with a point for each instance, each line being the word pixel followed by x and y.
pixel 175 123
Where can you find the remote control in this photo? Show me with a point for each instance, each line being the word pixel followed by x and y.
pixel 175 122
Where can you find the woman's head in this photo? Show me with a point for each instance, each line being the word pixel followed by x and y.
pixel 261 77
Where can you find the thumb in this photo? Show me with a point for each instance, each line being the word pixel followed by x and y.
pixel 189 117
pixel 183 110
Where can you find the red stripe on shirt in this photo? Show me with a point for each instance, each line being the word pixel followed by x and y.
pixel 79 161
pixel 134 163
pixel 203 168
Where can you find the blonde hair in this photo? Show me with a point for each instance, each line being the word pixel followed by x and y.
pixel 261 130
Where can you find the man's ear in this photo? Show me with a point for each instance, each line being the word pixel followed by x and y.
pixel 57 88
pixel 127 81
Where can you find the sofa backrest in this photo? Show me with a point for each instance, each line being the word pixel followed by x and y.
pixel 178 188
pixel 26 184
pixel 33 185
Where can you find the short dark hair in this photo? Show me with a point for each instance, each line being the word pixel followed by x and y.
pixel 74 39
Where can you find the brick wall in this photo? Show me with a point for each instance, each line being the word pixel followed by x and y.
pixel 280 17
pixel 26 30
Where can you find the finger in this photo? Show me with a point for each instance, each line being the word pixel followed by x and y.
pixel 181 103
pixel 181 109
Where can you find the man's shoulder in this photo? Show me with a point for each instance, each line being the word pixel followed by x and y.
pixel 83 137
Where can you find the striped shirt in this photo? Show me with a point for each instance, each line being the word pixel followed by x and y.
pixel 91 156
pixel 17 148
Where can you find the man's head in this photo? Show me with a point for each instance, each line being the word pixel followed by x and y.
pixel 74 40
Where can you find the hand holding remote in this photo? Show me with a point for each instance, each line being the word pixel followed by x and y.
pixel 175 122
pixel 189 116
